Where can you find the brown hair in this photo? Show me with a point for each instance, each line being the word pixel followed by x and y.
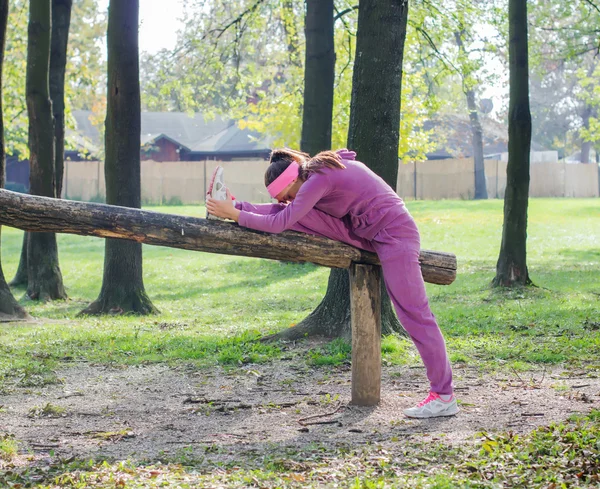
pixel 281 159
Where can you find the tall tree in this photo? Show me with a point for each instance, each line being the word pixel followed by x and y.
pixel 15 105
pixel 375 105
pixel 44 279
pixel 511 269
pixel 122 285
pixel 61 19
pixel 319 77
pixel 374 134
pixel 84 75
pixel 9 307
pixel 20 278
pixel 476 129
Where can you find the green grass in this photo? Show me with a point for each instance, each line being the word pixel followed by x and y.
pixel 214 307
pixel 8 448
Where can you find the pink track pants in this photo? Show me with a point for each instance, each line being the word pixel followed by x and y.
pixel 398 247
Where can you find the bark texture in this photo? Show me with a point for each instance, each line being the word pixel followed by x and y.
pixel 61 20
pixel 10 310
pixel 122 284
pixel 319 74
pixel 20 278
pixel 374 135
pixel 511 269
pixel 121 223
pixel 44 279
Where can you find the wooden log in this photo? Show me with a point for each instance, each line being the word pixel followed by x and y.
pixel 42 214
pixel 365 311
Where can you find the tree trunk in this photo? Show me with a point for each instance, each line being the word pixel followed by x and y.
pixel 332 317
pixel 319 74
pixel 374 135
pixel 476 131
pixel 374 130
pixel 44 279
pixel 122 284
pixel 61 20
pixel 28 212
pixel 10 310
pixel 20 278
pixel 511 269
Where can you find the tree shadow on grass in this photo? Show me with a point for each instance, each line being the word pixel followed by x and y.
pixel 578 256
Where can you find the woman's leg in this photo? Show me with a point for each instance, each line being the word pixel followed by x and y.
pixel 398 250
pixel 316 222
pixel 320 223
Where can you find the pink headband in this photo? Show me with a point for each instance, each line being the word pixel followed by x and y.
pixel 283 180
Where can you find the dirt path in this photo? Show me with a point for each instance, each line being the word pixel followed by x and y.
pixel 163 414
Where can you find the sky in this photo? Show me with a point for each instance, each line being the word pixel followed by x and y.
pixel 159 21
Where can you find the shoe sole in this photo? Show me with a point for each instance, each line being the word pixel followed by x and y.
pixel 439 415
pixel 212 179
pixel 210 190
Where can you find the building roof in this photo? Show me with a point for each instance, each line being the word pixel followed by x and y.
pixel 153 138
pixel 194 133
pixel 456 140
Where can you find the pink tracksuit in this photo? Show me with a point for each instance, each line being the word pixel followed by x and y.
pixel 357 207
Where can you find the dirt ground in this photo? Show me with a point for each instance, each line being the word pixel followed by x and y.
pixel 160 413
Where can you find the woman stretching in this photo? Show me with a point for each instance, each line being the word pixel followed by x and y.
pixel 333 195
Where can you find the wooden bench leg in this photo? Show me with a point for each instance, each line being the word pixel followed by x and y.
pixel 365 308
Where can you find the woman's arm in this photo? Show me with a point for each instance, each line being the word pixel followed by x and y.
pixel 309 194
pixel 259 208
pixel 227 209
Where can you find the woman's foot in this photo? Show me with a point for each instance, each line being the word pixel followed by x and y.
pixel 217 189
pixel 433 406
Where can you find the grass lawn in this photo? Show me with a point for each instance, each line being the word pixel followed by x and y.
pixel 213 306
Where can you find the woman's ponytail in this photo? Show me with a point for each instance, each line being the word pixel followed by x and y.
pixel 324 159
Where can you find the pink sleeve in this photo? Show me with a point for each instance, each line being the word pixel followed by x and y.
pixel 309 194
pixel 259 208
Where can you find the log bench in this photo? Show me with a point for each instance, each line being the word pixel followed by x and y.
pixel 43 214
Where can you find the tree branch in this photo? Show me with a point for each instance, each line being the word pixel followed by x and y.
pixel 349 51
pixel 592 4
pixel 238 19
pixel 346 26
pixel 339 14
pixel 443 58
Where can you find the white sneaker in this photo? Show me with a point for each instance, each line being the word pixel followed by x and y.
pixel 432 407
pixel 217 189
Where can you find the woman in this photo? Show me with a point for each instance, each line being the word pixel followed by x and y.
pixel 335 196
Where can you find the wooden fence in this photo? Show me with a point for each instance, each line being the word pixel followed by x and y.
pixel 186 181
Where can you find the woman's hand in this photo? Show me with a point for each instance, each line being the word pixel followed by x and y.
pixel 223 208
pixel 346 154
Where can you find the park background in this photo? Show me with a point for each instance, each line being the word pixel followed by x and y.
pixel 190 397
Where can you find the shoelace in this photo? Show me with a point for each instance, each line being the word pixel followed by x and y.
pixel 433 396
